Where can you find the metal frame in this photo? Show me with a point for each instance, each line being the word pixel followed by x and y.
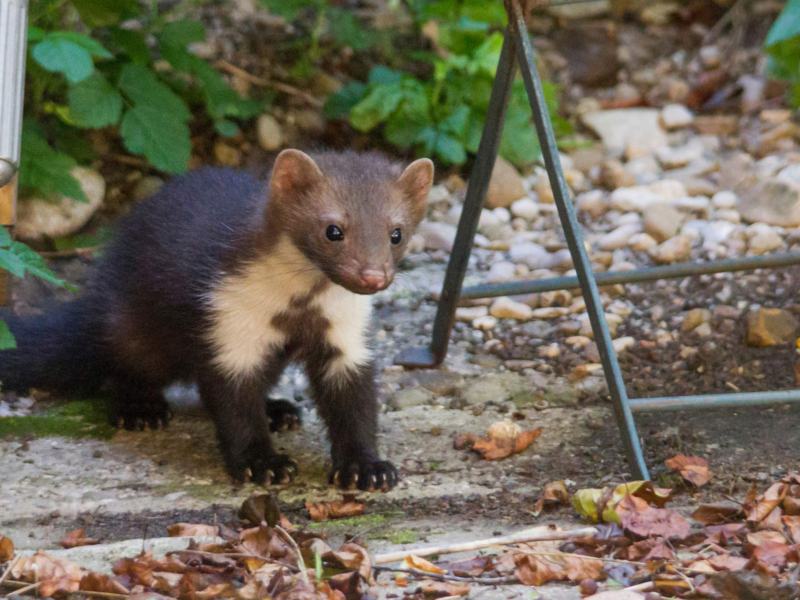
pixel 518 50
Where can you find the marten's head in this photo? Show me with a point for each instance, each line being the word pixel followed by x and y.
pixel 351 214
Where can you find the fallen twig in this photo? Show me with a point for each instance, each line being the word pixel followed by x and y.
pixel 25 588
pixel 529 535
pixel 301 563
pixel 448 577
pixel 270 83
pixel 10 566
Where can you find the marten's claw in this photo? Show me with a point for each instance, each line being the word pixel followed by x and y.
pixel 283 415
pixel 273 470
pixel 140 417
pixel 380 475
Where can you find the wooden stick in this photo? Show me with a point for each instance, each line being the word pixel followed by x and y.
pixel 300 562
pixel 448 577
pixel 7 572
pixel 24 589
pixel 529 535
pixel 270 83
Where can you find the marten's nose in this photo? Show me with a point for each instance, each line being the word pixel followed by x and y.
pixel 374 279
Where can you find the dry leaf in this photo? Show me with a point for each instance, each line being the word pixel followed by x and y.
pixel 503 439
pixel 692 468
pixel 192 530
pixel 441 589
pixel 535 569
pixel 770 557
pixel 77 537
pixel 792 524
pixel 420 564
pixel 717 513
pixel 337 509
pixel 554 493
pixel 760 508
pixel 596 504
pixel 643 520
pixel 6 549
pixel 54 574
pixel 98 582
pixel 728 562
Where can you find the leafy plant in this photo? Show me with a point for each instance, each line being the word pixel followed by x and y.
pixel 443 116
pixel 19 260
pixel 783 47
pixel 142 80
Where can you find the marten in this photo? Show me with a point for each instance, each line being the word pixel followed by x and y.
pixel 222 279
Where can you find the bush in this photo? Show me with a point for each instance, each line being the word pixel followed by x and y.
pixel 783 47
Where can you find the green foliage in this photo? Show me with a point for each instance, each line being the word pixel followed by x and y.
pixel 75 419
pixel 783 47
pixel 100 73
pixel 443 116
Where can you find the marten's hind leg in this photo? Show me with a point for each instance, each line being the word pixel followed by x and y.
pixel 136 404
pixel 283 415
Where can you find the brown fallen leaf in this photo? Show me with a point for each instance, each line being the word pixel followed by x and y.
pixel 693 469
pixel 77 537
pixel 503 439
pixel 554 493
pixel 443 589
pixel 260 508
pixel 770 557
pixel 639 518
pixel 535 569
pixel 792 524
pixel 759 509
pixel 54 575
pixel 717 513
pixel 336 509
pixel 6 549
pixel 192 530
pixel 99 582
pixel 420 564
pixel 728 562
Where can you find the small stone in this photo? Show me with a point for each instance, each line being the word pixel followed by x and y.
pixel 642 242
pixel 694 318
pixel 416 396
pixel 543 190
pixel 763 239
pixel 438 236
pixel 578 341
pixel 662 221
pixel 549 312
pixel 710 56
pixel 770 326
pixel 486 323
pixel 310 121
pixel 673 250
pixel 774 201
pixel 676 116
pixel 505 185
pixel 624 343
pixel 533 255
pixel 636 198
pixel 269 133
pixel 525 208
pixel 613 175
pixel 724 199
pixel 594 203
pixel 40 218
pixel 624 129
pixel 226 154
pixel 675 157
pixel 146 187
pixel 703 330
pixel 501 271
pixel 468 314
pixel 619 237
pixel 506 308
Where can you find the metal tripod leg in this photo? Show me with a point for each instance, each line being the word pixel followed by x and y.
pixel 470 215
pixel 572 232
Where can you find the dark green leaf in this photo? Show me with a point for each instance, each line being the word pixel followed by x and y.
pixel 787 25
pixel 226 127
pixel 383 75
pixel 7 341
pixel 11 262
pixel 91 45
pixel 35 34
pixel 377 105
pixel 34 264
pixel 449 149
pixel 290 9
pixel 347 30
pixel 45 171
pixel 64 56
pixel 162 139
pixel 141 86
pixel 339 105
pixel 94 102
pixel 101 13
pixel 5 238
pixel 182 33
pixel 132 43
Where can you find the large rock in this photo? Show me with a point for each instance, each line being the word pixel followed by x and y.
pixel 773 201
pixel 633 131
pixel 662 221
pixel 770 326
pixel 39 218
pixel 505 186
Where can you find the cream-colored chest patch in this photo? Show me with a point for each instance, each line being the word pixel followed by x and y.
pixel 243 306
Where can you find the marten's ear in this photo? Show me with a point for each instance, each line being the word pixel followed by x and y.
pixel 294 172
pixel 416 182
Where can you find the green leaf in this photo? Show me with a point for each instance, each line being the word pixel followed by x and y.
pixel 132 43
pixel 786 26
pixel 45 171
pixel 519 143
pixel 91 45
pixel 5 238
pixel 101 13
pixel 347 30
pixel 64 56
pixel 377 105
pixel 141 86
pixel 35 265
pixel 182 33
pixel 226 127
pixel 11 262
pixel 7 341
pixel 290 9
pixel 35 34
pixel 381 74
pixel 94 102
pixel 164 140
pixel 339 104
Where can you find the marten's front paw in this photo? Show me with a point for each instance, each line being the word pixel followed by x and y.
pixel 138 416
pixel 283 415
pixel 265 469
pixel 366 475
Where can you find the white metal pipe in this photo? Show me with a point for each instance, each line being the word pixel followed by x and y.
pixel 13 36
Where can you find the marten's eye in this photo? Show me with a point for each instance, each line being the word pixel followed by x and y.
pixel 396 236
pixel 334 234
